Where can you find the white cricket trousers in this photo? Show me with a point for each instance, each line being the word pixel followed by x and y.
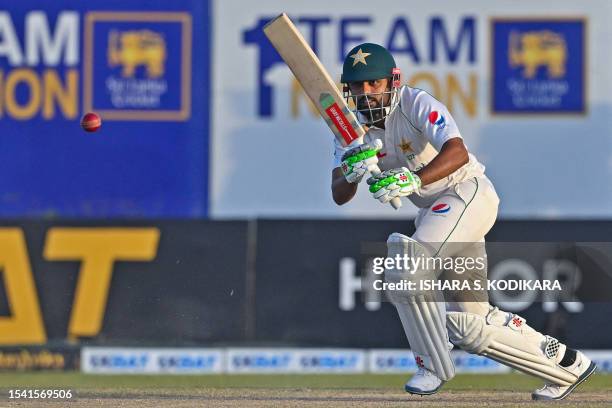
pixel 455 226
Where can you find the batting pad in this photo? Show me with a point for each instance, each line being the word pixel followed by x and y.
pixel 423 314
pixel 512 343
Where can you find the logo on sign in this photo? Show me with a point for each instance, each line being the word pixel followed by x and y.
pixel 142 64
pixel 398 362
pixel 186 362
pixel 533 50
pixel 133 49
pixel 120 361
pixel 538 66
pixel 261 361
pixel 329 361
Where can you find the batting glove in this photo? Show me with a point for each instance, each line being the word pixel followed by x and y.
pixel 389 184
pixel 357 161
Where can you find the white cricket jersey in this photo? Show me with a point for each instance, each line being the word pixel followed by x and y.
pixel 414 134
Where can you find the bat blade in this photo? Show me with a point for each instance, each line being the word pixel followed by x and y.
pixel 314 78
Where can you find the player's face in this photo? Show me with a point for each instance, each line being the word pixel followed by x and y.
pixel 373 89
pixel 371 96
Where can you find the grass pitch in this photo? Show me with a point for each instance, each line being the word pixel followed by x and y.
pixel 366 390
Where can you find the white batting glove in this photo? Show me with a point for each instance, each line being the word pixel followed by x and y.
pixel 359 160
pixel 389 184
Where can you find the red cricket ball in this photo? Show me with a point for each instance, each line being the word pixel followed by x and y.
pixel 91 122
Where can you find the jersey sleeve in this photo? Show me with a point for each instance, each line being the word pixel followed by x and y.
pixel 431 117
pixel 339 150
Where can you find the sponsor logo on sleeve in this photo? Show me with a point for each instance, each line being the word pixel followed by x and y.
pixel 442 208
pixel 437 119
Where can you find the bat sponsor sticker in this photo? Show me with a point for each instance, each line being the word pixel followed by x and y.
pixel 334 112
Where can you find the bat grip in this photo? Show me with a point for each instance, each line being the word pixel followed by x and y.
pixel 395 202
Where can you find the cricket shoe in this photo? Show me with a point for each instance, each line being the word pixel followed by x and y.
pixel 583 367
pixel 423 382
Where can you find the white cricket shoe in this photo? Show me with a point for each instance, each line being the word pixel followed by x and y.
pixel 423 382
pixel 583 367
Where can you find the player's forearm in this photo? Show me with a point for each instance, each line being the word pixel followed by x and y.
pixel 452 156
pixel 342 191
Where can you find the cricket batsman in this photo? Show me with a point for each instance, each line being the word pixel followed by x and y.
pixel 423 158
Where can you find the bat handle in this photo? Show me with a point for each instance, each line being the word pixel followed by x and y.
pixel 395 202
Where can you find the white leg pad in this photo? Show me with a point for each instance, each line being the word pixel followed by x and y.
pixel 506 338
pixel 423 314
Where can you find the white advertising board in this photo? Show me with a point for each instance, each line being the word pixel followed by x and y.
pixel 544 136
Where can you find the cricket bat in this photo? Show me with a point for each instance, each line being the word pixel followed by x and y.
pixel 316 82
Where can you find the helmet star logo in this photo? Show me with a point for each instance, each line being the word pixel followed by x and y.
pixel 360 56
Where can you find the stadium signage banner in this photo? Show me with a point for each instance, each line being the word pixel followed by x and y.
pixel 151 361
pixel 538 65
pixel 161 281
pixel 479 59
pixel 269 282
pixel 132 63
pixel 281 360
pixel 354 315
pixel 39 358
pixel 294 360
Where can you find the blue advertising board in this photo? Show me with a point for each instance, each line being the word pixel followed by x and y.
pixel 144 68
pixel 539 66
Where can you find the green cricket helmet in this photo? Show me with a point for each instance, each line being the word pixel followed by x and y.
pixel 367 62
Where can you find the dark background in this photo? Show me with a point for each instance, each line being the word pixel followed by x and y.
pixel 270 282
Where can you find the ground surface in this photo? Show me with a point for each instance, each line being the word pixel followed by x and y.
pixel 505 390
